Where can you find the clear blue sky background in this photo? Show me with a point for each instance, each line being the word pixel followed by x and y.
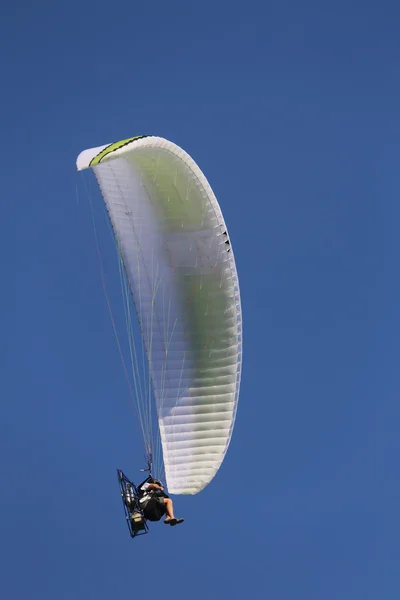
pixel 292 111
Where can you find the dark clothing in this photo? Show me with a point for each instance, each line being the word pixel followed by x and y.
pixel 154 508
pixel 152 502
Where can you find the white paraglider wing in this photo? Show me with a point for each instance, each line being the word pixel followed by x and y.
pixel 182 275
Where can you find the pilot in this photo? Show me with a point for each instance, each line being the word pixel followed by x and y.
pixel 156 503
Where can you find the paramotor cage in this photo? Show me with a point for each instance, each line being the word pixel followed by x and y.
pixel 134 515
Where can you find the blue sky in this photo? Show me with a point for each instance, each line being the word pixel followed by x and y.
pixel 292 111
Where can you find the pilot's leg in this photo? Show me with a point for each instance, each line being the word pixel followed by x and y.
pixel 169 507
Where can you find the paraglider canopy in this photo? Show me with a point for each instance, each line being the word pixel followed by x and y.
pixel 181 272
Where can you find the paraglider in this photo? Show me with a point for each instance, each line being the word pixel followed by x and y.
pixel 180 271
